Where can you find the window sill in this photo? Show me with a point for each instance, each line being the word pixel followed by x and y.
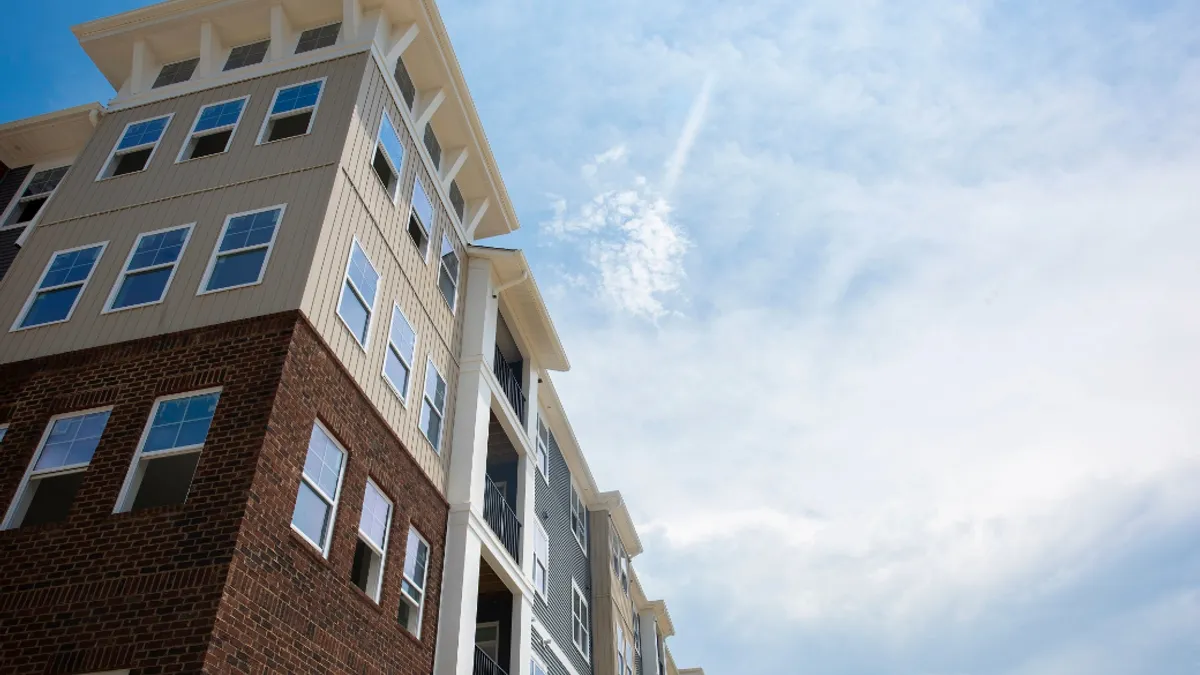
pixel 230 288
pixel 280 140
pixel 115 310
pixel 101 179
pixel 392 388
pixel 197 159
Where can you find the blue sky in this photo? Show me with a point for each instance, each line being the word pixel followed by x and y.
pixel 882 314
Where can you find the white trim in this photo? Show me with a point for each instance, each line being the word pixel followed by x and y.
pixel 441 413
pixel 18 197
pixel 555 649
pixel 37 288
pixel 535 661
pixel 270 245
pixel 423 586
pixel 153 147
pixel 429 228
pixel 572 497
pixel 452 303
pixel 365 345
pixel 312 118
pixel 333 500
pixel 542 452
pixel 112 295
pixel 18 496
pixel 376 593
pixel 231 128
pixel 586 650
pixel 133 477
pixel 393 195
pixel 543 593
pixel 403 396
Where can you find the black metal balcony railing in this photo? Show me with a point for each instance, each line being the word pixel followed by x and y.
pixel 509 375
pixel 484 665
pixel 502 519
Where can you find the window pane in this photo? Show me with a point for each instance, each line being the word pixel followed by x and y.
pixel 391 142
pixel 220 115
pixel 297 97
pixel 237 269
pixel 416 558
pixel 316 38
pixel 456 200
pixel 365 278
pixel 71 267
pixel 44 182
pixel 247 55
pixel 396 372
pixel 431 424
pixel 435 387
pixel 72 440
pixel 312 514
pixel 166 480
pixel 407 89
pixel 158 249
pixel 402 335
pixel 181 422
pixel 374 519
pixel 323 464
pixel 52 498
pixel 432 145
pixel 142 287
pixel 354 313
pixel 50 306
pixel 251 229
pixel 421 205
pixel 142 133
pixel 180 71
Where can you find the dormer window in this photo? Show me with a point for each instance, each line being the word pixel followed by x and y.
pixel 39 190
pixel 173 73
pixel 316 38
pixel 247 55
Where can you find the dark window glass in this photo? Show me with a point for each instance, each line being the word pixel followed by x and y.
pixel 166 480
pixel 432 145
pixel 456 200
pixel 51 306
pixel 247 55
pixel 52 499
pixel 384 170
pixel 28 209
pixel 407 89
pixel 180 71
pixel 142 287
pixel 237 269
pixel 211 144
pixel 288 127
pixel 132 162
pixel 316 38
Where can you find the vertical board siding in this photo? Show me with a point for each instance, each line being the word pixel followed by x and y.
pixel 552 499
pixel 360 208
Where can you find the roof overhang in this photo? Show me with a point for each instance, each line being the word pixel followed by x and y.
pixel 525 300
pixel 614 503
pixel 663 617
pixel 550 405
pixel 49 136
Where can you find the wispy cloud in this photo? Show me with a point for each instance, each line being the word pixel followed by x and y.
pixel 687 137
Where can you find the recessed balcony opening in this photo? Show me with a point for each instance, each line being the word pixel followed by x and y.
pixel 509 367
pixel 500 489
pixel 493 624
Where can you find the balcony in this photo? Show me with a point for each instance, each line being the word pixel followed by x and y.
pixel 484 665
pixel 501 518
pixel 509 376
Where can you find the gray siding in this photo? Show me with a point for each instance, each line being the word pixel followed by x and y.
pixel 553 666
pixel 552 502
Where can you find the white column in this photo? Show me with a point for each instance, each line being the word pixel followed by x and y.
pixel 526 511
pixel 351 19
pixel 479 322
pixel 210 49
pixel 468 455
pixel 530 384
pixel 455 653
pixel 649 643
pixel 522 635
pixel 281 33
pixel 145 68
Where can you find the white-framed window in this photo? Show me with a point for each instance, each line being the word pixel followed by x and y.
pixel 541 559
pixel 401 351
pixel 371 550
pixel 536 667
pixel 247 55
pixel 174 73
pixel 49 485
pixel 420 219
pixel 412 587
pixel 136 147
pixel 292 111
pixel 359 288
pixel 448 274
pixel 433 408
pixel 487 639
pixel 320 488
pixel 622 645
pixel 149 268
pixel 169 450
pixel 38 190
pixel 62 283
pixel 541 449
pixel 637 634
pixel 389 157
pixel 212 131
pixel 3 432
pixel 581 626
pixel 620 560
pixel 578 518
pixel 240 257
pixel 319 37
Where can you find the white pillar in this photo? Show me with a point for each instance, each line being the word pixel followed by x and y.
pixel 649 644
pixel 522 635
pixel 351 19
pixel 145 68
pixel 210 49
pixel 526 510
pixel 468 455
pixel 455 651
pixel 530 384
pixel 281 33
pixel 479 322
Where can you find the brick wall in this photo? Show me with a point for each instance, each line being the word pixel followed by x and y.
pixel 219 584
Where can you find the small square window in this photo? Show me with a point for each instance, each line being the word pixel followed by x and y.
pixel 48 489
pixel 135 148
pixel 292 111
pixel 247 55
pixel 36 194
pixel 316 38
pixel 63 281
pixel 173 73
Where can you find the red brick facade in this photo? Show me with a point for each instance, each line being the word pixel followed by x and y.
pixel 220 583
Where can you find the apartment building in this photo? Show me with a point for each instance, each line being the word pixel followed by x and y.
pixel 268 403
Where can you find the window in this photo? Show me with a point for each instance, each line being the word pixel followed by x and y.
pixel 487 639
pixel 172 73
pixel 36 194
pixel 578 518
pixel 358 294
pixel 622 651
pixel 149 268
pixel 54 298
pixel 420 219
pixel 412 587
pixel 3 432
pixel 213 129
pixel 407 89
pixel 620 560
pixel 240 256
pixel 637 635
pixel 320 487
pixel 136 147
pixel 389 156
pixel 369 554
pixel 580 621
pixel 247 55
pixel 166 459
pixel 434 407
pixel 56 472
pixel 316 38
pixel 541 449
pixel 432 145
pixel 402 346
pixel 456 200
pixel 292 111
pixel 448 275
pixel 536 667
pixel 541 559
